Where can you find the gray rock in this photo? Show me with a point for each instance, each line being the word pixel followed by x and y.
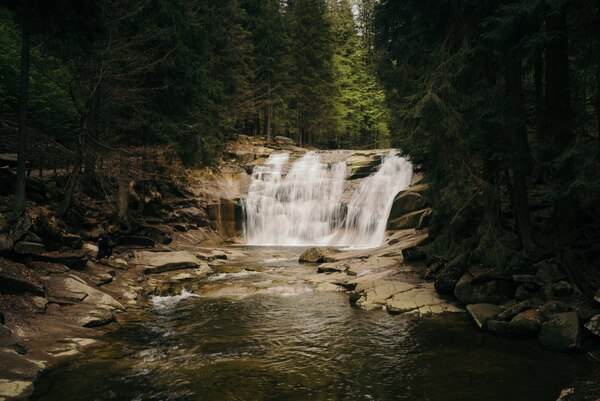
pixel 552 308
pixel 137 240
pixel 406 202
pixel 417 219
pixel 562 289
pixel 491 292
pixel 482 313
pixel 499 328
pixel 514 310
pixel 523 294
pixel 561 332
pixel 594 325
pixel 316 255
pixel 74 260
pixel 447 277
pixel 31 237
pixel 413 253
pixel 158 262
pixel 597 296
pixel 528 279
pixel 97 317
pixel 15 278
pixel 26 247
pixel 40 304
pixel 526 324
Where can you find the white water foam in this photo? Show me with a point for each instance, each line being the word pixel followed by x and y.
pixel 167 302
pixel 305 206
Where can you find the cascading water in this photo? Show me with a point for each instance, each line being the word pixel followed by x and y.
pixel 305 206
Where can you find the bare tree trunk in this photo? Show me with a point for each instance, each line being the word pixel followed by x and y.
pixel 123 190
pixel 70 188
pixel 20 199
pixel 518 135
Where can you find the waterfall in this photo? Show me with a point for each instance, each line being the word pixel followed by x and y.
pixel 304 206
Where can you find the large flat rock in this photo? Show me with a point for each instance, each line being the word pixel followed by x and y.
pixel 420 301
pixel 158 262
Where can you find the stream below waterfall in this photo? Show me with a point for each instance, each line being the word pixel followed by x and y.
pixel 257 331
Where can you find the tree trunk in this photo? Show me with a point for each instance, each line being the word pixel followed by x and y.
pixel 558 120
pixel 20 199
pixel 123 190
pixel 70 188
pixel 518 136
pixel 539 113
pixel 267 122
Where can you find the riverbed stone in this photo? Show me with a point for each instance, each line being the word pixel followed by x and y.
pixel 594 325
pixel 97 317
pixel 493 292
pixel 15 388
pixel 514 310
pixel 562 289
pixel 376 294
pixel 421 301
pixel 498 328
pixel 482 313
pixel 561 332
pixel 76 260
pixel 316 255
pixel 158 262
pixel 16 278
pixel 447 276
pixel 28 248
pixel 406 202
pixel 526 323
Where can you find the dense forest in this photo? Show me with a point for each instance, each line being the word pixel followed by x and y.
pixel 497 101
pixel 500 102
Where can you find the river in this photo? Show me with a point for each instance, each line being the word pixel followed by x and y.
pixel 257 331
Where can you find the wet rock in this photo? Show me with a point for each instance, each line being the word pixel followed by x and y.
pixel 158 262
pixel 594 325
pixel 26 247
pixel 45 268
pixel 526 324
pixel 40 303
pixel 447 277
pixel 72 241
pixel 561 332
pixel 523 294
pixel 75 260
pixel 116 263
pixel 421 301
pixel 15 278
pixel 11 231
pixel 406 202
pixel 417 219
pixel 492 292
pixel 482 313
pixel 194 215
pixel 103 278
pixel 332 268
pixel 284 140
pixel 528 279
pixel 137 240
pixel 562 289
pixel 499 328
pixel 97 318
pixel 182 277
pixel 15 388
pixel 413 253
pixel 375 294
pixel 552 308
pixel 514 310
pixel 316 255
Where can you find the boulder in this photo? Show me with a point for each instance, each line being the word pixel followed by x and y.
pixel 549 272
pixel 97 317
pixel 417 219
pixel 562 289
pixel 561 332
pixel 11 231
pixel 137 240
pixel 482 313
pixel 526 324
pixel 413 253
pixel 72 241
pixel 420 301
pixel 552 308
pixel 492 292
pixel 29 248
pixel 15 278
pixel 499 328
pixel 514 310
pixel 75 260
pixel 447 276
pixel 316 255
pixel 594 325
pixel 158 262
pixel 284 140
pixel 406 202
